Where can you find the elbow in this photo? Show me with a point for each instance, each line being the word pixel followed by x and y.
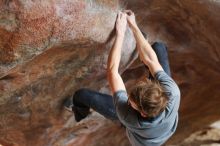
pixel 111 72
pixel 110 75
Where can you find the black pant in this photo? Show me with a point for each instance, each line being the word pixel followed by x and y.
pixel 84 99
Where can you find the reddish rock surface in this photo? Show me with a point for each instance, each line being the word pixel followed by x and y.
pixel 50 48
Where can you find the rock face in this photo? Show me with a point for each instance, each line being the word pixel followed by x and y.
pixel 51 48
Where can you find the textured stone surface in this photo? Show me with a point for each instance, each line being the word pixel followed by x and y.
pixel 50 48
pixel 209 136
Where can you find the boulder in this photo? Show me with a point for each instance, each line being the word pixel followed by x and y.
pixel 51 48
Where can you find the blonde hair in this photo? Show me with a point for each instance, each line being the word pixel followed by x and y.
pixel 149 97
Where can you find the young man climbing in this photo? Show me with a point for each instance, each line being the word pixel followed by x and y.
pixel 150 110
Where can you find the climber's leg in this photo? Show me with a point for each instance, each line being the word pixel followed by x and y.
pixel 162 55
pixel 84 99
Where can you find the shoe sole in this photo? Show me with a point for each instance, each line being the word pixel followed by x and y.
pixel 68 109
pixel 67 104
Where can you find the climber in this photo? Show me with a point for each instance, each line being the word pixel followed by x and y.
pixel 149 112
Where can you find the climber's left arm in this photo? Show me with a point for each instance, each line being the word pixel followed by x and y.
pixel 115 81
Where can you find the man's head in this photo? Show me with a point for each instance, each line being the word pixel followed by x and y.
pixel 148 98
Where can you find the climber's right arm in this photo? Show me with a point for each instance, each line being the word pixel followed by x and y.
pixel 115 81
pixel 147 54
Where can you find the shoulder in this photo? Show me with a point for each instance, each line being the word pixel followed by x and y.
pixel 169 85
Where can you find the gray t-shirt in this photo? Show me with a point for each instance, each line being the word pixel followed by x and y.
pixel 150 131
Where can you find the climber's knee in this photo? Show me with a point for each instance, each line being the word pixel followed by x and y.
pixel 81 92
pixel 159 46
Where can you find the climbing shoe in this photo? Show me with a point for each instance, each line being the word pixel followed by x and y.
pixel 79 112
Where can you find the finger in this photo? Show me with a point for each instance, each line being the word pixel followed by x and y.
pixel 124 15
pixel 121 14
pixel 118 15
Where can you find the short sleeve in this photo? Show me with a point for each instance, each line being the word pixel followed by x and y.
pixel 120 99
pixel 171 89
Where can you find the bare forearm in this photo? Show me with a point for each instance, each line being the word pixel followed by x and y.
pixel 115 54
pixel 145 50
pixel 146 53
